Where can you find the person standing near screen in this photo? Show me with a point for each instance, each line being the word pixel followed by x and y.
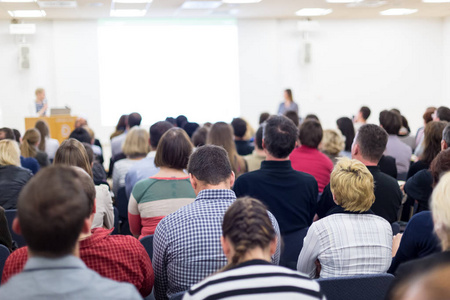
pixel 288 103
pixel 40 102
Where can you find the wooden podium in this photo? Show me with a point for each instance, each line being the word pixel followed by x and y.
pixel 60 126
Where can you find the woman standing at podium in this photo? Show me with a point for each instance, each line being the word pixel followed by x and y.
pixel 40 103
pixel 288 103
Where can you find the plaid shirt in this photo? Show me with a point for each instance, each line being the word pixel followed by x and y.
pixel 187 243
pixel 118 257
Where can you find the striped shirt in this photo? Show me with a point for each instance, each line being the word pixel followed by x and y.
pixel 256 279
pixel 347 244
pixel 154 198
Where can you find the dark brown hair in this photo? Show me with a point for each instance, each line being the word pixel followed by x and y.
pixel 372 140
pixel 428 115
pixel 210 164
pixel 174 149
pixel 432 140
pixel 310 134
pixel 345 125
pixel 289 94
pixel 279 135
pixel 156 132
pixel 440 165
pixel 44 131
pixel 263 117
pixel 199 136
pixel 293 116
pixel 72 153
pixel 391 121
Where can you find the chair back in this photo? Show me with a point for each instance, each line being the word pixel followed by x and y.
pixel 147 242
pixel 361 287
pixel 4 253
pixel 177 296
pixel 10 215
pixel 122 206
pixel 292 245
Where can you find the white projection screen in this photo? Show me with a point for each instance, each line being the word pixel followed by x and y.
pixel 164 68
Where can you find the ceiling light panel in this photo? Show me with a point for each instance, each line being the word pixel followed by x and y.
pixel 398 11
pixel 57 4
pixel 344 1
pixel 17 1
pixel 201 4
pixel 436 1
pixel 132 1
pixel 124 13
pixel 27 13
pixel 240 1
pixel 313 12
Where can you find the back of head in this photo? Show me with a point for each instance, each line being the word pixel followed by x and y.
pixel 80 134
pixel 29 141
pixel 263 117
pixel 280 136
pixel 134 119
pixel 432 140
pixel 174 149
pixel 440 165
pixel 190 128
pixel 332 142
pixel 89 152
pixel 443 113
pixel 440 208
pixel 372 140
pixel 446 135
pixel 181 120
pixel 293 116
pixel 312 117
pixel 44 131
pixel 428 115
pixel 199 136
pixel 210 165
pixel 311 133
pixel 172 121
pixel 221 134
pixel 352 185
pixel 72 153
pixel 17 135
pixel 239 127
pixel 9 153
pixel 7 133
pixel 136 142
pixel 391 121
pixel 88 187
pixel 345 125
pixel 246 224
pixel 259 138
pixel 122 123
pixel 51 210
pixel 365 112
pixel 156 132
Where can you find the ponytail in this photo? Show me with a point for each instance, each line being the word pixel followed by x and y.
pixel 29 140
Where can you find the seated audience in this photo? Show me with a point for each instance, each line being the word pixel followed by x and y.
pixel 17 136
pixel 332 144
pixel 307 158
pixel 290 195
pixel 248 240
pixel 404 133
pixel 351 240
pixel 120 127
pixel 5 234
pixel 293 116
pixel 391 122
pixel 187 242
pixel 370 142
pixel 29 147
pixel 190 128
pixel 312 117
pixel 81 134
pixel 47 144
pixel 164 193
pixel 134 119
pixel 199 136
pixel 29 163
pixel 221 134
pixel 263 117
pixel 146 167
pixel 181 120
pixel 53 211
pixel 135 147
pixel 243 147
pixel 427 117
pixel 98 152
pixel 12 176
pixel 361 117
pixel 98 172
pixel 345 125
pixel 72 153
pixel 442 113
pixel 254 160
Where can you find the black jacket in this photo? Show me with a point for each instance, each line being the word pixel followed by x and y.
pixel 12 180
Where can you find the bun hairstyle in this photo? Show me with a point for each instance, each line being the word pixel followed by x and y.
pixel 247 226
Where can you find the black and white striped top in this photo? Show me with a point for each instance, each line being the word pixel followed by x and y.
pixel 256 279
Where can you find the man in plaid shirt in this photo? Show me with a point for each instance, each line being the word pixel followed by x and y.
pixel 187 243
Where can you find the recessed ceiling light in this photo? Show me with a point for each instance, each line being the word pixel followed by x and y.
pixel 128 12
pixel 344 1
pixel 57 4
pixel 27 13
pixel 132 1
pixel 240 1
pixel 313 12
pixel 398 11
pixel 17 1
pixel 435 1
pixel 201 4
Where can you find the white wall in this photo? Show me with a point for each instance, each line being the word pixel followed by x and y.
pixel 379 63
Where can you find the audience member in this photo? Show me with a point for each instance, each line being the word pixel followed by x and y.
pixel 97 149
pixel 288 103
pixel 199 136
pixel 164 193
pixel 80 122
pixel 293 116
pixel 190 128
pixel 187 242
pixel 12 176
pixel 345 125
pixel 172 121
pixel 98 172
pixel 248 240
pixel 146 167
pixel 17 136
pixel 80 134
pixel 47 144
pixel 388 166
pixel 312 117
pixel 404 133
pixel 181 121
pixel 5 235
pixel 351 240
pixel 120 127
pixel 135 147
pixel 53 210
pixel 29 147
pixel 221 134
pixel 442 113
pixel 134 119
pixel 361 117
pixel 263 117
pixel 290 195
pixel 29 163
pixel 243 147
pixel 427 117
pixel 307 158
pixel 258 155
pixel 370 142
pixel 332 144
pixel 72 153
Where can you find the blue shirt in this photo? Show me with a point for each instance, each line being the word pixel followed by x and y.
pixel 30 163
pixel 143 169
pixel 63 278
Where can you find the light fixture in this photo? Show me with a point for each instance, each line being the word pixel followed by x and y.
pixel 436 1
pixel 344 1
pixel 127 12
pixel 240 1
pixel 313 12
pixel 398 11
pixel 132 1
pixel 57 4
pixel 27 13
pixel 201 4
pixel 17 1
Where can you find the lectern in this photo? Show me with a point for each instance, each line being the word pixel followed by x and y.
pixel 60 126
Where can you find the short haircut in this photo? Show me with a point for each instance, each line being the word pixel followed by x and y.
pixel 80 134
pixel 440 165
pixel 9 153
pixel 134 119
pixel 310 133
pixel 280 136
pixel 199 136
pixel 391 121
pixel 372 140
pixel 72 153
pixel 239 127
pixel 443 113
pixel 51 210
pixel 8 132
pixel 136 142
pixel 345 125
pixel 332 141
pixel 312 116
pixel 263 117
pixel 293 116
pixel 352 185
pixel 259 137
pixel 181 120
pixel 174 149
pixel 440 208
pixel 210 164
pixel 446 134
pixel 190 128
pixel 365 112
pixel 38 91
pixel 156 132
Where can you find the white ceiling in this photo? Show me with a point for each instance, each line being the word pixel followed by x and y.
pixel 282 9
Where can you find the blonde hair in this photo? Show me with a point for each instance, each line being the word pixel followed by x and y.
pixel 38 91
pixel 30 140
pixel 440 208
pixel 9 153
pixel 352 185
pixel 332 141
pixel 136 142
pixel 89 130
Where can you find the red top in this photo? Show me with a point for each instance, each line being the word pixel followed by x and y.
pixel 118 257
pixel 314 162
